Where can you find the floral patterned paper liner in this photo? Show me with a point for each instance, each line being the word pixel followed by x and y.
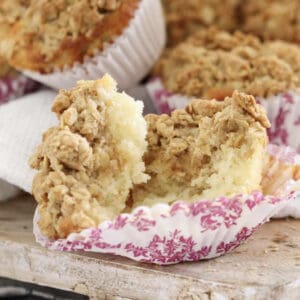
pixel 12 88
pixel 128 59
pixel 167 234
pixel 283 111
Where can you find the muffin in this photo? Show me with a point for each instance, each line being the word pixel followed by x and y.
pixel 59 33
pixel 272 19
pixel 90 161
pixel 213 63
pixel 209 149
pixel 185 17
pixel 71 40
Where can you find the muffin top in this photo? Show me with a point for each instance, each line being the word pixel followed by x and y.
pixel 185 17
pixel 209 149
pixel 58 33
pixel 272 19
pixel 213 63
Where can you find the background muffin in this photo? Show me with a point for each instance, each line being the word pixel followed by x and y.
pixel 212 64
pixel 185 17
pixel 272 19
pixel 55 34
pixel 60 42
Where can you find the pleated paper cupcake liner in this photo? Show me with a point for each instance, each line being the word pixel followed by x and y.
pixel 283 111
pixel 16 86
pixel 128 59
pixel 284 114
pixel 168 234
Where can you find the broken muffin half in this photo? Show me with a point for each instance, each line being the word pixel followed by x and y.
pixel 211 148
pixel 90 161
pixel 104 158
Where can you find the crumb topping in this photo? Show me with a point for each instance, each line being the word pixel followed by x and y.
pixel 209 149
pixel 272 19
pixel 185 17
pixel 88 163
pixel 212 64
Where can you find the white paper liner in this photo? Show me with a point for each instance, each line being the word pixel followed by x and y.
pixel 168 234
pixel 127 60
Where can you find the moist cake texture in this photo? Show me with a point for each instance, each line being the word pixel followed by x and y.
pixel 210 149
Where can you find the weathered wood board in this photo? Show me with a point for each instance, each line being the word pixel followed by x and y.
pixel 266 267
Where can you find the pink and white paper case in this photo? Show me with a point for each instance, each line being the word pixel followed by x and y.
pixel 14 87
pixel 128 59
pixel 168 234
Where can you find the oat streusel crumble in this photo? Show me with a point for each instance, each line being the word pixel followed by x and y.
pixel 213 63
pixel 272 19
pixel 90 161
pixel 211 148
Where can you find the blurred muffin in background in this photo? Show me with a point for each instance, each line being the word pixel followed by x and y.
pixel 272 19
pixel 62 41
pixel 185 17
pixel 58 33
pixel 214 63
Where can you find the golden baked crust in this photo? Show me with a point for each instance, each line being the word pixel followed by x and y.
pixel 272 19
pixel 211 148
pixel 212 64
pixel 89 162
pixel 185 17
pixel 58 33
pixel 10 12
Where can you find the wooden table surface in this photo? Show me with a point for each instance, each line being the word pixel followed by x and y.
pixel 266 267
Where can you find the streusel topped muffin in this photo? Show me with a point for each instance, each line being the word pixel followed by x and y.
pixel 212 64
pixel 90 161
pixel 185 17
pixel 56 34
pixel 209 149
pixel 272 19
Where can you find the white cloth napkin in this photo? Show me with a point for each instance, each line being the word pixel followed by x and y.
pixel 22 123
